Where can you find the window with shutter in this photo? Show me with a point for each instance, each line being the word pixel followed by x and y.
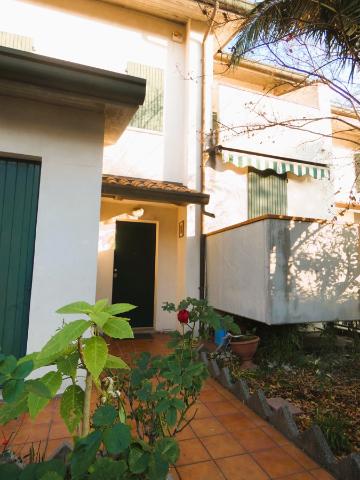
pixel 267 194
pixel 150 115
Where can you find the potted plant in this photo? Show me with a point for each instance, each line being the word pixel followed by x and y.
pixel 245 347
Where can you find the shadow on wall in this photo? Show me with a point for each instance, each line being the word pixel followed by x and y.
pixel 314 271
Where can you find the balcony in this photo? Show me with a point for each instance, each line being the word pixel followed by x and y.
pixel 280 270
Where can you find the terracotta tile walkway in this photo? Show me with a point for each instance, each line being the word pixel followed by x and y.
pixel 226 440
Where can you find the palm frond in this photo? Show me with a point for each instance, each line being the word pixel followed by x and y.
pixel 333 24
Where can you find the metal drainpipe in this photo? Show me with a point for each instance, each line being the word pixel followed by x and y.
pixel 202 141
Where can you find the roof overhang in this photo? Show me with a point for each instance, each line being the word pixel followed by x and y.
pixel 151 190
pixel 45 79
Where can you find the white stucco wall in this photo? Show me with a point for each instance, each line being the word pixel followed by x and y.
pixel 69 143
pixel 245 117
pixel 228 197
pixel 168 269
pixel 309 197
pixel 109 36
pixel 280 271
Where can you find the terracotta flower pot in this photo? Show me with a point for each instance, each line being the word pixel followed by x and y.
pixel 246 350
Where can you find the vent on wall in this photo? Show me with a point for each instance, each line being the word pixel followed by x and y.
pixel 12 40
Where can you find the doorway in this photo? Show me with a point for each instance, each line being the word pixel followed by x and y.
pixel 134 270
pixel 19 191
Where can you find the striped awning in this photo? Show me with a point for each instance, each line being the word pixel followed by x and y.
pixel 279 166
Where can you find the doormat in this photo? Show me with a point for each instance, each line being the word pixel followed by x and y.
pixel 143 336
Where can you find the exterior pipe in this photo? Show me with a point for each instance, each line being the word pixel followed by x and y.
pixel 203 149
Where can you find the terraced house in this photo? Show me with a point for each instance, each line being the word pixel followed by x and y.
pixel 122 172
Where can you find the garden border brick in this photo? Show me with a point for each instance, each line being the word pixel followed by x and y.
pixel 312 441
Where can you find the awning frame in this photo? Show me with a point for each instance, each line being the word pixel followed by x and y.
pixel 281 165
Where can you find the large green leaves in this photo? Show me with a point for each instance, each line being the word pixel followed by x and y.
pixel 168 448
pixel 108 469
pixel 10 411
pixel 23 369
pixel 118 328
pixel 104 416
pixel 36 403
pixel 71 407
pixel 61 340
pixel 117 438
pixel 67 364
pixel 84 454
pixel 116 362
pixel 138 459
pixel 95 354
pixel 75 307
pixel 118 308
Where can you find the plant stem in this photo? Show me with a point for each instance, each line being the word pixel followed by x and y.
pixel 87 403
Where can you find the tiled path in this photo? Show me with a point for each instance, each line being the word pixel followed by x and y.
pixel 226 440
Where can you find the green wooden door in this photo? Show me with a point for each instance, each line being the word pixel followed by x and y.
pixel 267 194
pixel 19 190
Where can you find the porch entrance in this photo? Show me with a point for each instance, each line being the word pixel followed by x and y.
pixel 19 191
pixel 134 270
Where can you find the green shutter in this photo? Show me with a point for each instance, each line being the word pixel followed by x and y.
pixel 267 194
pixel 150 115
pixel 19 189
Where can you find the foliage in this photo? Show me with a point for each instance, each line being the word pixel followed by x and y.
pixel 76 345
pixel 333 24
pixel 282 343
pixel 334 428
pixel 203 315
pixel 156 396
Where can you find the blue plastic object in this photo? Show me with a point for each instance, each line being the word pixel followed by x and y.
pixel 219 336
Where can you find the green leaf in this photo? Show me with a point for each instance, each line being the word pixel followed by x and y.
pixel 138 460
pixel 117 438
pixel 171 416
pixel 104 416
pixel 99 318
pixel 8 365
pixel 9 411
pixel 23 369
pixel 61 340
pixel 101 305
pixel 68 364
pixel 115 362
pixel 52 381
pixel 118 308
pixel 158 467
pixel 76 307
pixel 51 470
pixel 9 471
pixel 108 469
pixel 38 388
pixel 51 476
pixel 71 407
pixel 118 328
pixel 168 448
pixel 162 406
pixel 12 390
pixel 84 454
pixel 95 354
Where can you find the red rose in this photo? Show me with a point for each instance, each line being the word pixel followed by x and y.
pixel 183 316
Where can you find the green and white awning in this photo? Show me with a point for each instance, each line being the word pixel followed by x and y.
pixel 279 166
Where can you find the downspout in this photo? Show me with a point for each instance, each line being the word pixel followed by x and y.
pixel 203 149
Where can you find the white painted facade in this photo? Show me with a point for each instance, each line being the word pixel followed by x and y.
pixel 110 36
pixel 69 144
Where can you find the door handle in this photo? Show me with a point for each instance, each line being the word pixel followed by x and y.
pixel 115 274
